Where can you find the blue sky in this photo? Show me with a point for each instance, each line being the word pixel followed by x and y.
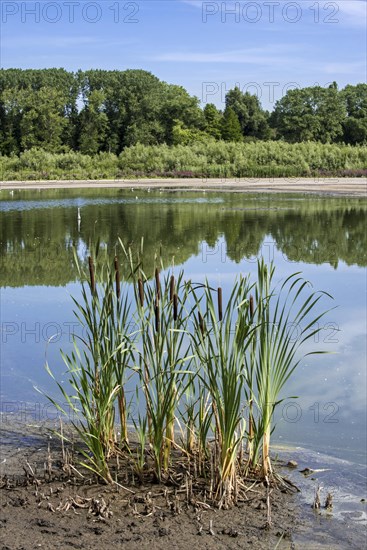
pixel 264 46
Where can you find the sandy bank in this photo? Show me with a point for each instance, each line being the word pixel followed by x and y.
pixel 354 187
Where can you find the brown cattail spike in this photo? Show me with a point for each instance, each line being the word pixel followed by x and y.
pixel 171 288
pixel 175 307
pixel 157 283
pixel 117 277
pixel 201 323
pixel 156 313
pixel 220 307
pixel 251 306
pixel 91 274
pixel 141 292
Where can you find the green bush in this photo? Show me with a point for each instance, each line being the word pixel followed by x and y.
pixel 212 159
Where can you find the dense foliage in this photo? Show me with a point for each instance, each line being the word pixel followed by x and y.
pixel 200 159
pixel 107 111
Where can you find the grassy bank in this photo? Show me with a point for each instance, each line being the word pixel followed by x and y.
pixel 212 159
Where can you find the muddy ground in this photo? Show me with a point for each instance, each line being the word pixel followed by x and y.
pixel 39 510
pixel 41 506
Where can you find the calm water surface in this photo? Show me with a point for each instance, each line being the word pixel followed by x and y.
pixel 211 234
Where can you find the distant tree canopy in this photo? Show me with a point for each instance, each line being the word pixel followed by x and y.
pixel 355 125
pixel 320 114
pixel 106 111
pixel 310 114
pixel 231 127
pixel 252 118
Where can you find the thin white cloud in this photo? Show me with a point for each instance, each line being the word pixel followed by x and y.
pixel 260 56
pixel 349 12
pixel 49 41
pixel 352 13
pixel 339 68
pixel 62 42
pixel 356 9
pixel 194 3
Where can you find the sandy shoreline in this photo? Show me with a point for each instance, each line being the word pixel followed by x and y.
pixel 352 187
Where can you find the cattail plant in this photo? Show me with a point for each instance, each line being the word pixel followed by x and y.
pixel 250 387
pixel 92 275
pixel 120 317
pixel 141 292
pixel 200 362
pixel 171 287
pixel 117 278
pixel 95 366
pixel 162 356
pixel 276 354
pixel 220 304
pixel 220 354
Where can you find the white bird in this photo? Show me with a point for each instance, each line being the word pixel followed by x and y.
pixel 79 215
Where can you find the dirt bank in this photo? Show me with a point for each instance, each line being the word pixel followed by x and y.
pixel 354 187
pixel 39 509
pixel 43 510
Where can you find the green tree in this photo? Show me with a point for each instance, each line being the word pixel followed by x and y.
pixel 93 123
pixel 188 136
pixel 10 117
pixel 27 98
pixel 252 118
pixel 231 127
pixel 132 104
pixel 213 120
pixel 310 114
pixel 40 108
pixel 178 106
pixel 43 120
pixel 355 124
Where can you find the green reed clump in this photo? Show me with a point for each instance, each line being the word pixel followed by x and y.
pixel 274 353
pixel 220 340
pixel 96 366
pixel 208 367
pixel 162 356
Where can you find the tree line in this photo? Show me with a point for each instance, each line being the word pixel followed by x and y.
pixel 108 111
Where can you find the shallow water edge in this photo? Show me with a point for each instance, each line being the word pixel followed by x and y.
pixel 353 187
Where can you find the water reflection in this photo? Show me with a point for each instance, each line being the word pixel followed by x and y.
pixel 37 236
pixel 216 235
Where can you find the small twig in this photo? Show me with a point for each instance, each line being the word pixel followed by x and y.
pixel 329 502
pixel 30 469
pixel 49 462
pixel 268 507
pixel 203 505
pixel 317 502
pixel 279 541
pixel 125 488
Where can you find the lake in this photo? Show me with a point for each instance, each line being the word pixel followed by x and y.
pixel 214 235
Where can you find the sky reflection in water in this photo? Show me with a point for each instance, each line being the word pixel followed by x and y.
pixel 215 236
